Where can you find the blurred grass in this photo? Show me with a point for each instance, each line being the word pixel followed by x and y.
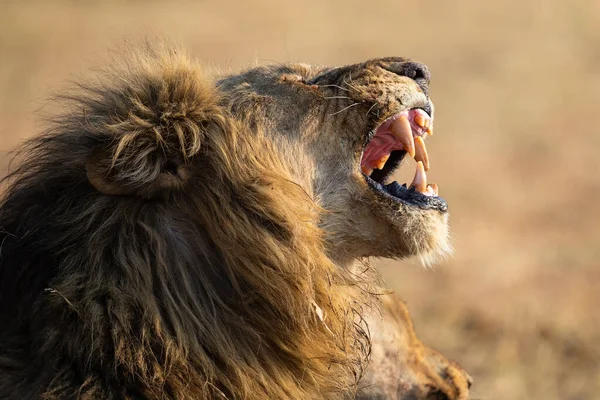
pixel 517 90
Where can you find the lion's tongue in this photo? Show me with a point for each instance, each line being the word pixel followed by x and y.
pixel 378 151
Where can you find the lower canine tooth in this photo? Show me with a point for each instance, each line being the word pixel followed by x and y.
pixel 367 170
pixel 419 182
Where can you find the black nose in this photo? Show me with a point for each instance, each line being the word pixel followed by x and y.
pixel 414 70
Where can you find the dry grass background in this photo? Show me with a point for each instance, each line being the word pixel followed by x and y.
pixel 517 89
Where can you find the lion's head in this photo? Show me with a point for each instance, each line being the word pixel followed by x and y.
pixel 174 237
pixel 345 131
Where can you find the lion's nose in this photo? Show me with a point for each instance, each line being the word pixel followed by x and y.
pixel 415 70
pixel 412 69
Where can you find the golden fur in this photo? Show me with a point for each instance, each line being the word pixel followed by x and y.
pixel 182 250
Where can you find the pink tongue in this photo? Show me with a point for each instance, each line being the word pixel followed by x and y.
pixel 381 145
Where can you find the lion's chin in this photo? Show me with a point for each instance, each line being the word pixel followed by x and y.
pixel 422 234
pixel 402 232
pixel 435 246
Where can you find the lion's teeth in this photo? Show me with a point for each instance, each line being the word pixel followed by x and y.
pixel 367 170
pixel 401 129
pixel 420 120
pixel 434 188
pixel 421 152
pixel 429 130
pixel 419 182
pixel 381 162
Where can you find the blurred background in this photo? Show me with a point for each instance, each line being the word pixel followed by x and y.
pixel 515 152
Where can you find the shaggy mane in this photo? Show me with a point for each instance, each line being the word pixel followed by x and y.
pixel 152 245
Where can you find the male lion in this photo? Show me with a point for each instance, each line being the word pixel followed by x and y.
pixel 172 237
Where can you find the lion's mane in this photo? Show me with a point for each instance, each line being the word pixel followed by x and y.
pixel 153 245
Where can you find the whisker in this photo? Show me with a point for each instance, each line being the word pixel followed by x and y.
pixel 337 97
pixel 370 108
pixel 345 108
pixel 350 85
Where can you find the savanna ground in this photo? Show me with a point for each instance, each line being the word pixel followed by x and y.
pixel 515 151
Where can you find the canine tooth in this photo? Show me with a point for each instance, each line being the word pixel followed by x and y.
pixel 421 152
pixel 429 130
pixel 401 129
pixel 420 120
pixel 367 170
pixel 420 180
pixel 434 187
pixel 381 162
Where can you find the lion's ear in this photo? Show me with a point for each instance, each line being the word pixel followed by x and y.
pixel 144 172
pixel 149 120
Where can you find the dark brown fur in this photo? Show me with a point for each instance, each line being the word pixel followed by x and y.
pixel 186 289
pixel 157 243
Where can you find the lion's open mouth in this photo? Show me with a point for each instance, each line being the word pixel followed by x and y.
pixel 402 134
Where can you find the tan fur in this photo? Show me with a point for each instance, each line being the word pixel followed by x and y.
pixel 401 366
pixel 209 234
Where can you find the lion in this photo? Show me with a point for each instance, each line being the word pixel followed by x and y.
pixel 177 236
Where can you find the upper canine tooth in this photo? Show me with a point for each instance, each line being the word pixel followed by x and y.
pixel 367 170
pixel 421 152
pixel 420 180
pixel 401 129
pixel 381 162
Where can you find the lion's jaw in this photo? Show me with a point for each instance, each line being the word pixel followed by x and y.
pixel 323 120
